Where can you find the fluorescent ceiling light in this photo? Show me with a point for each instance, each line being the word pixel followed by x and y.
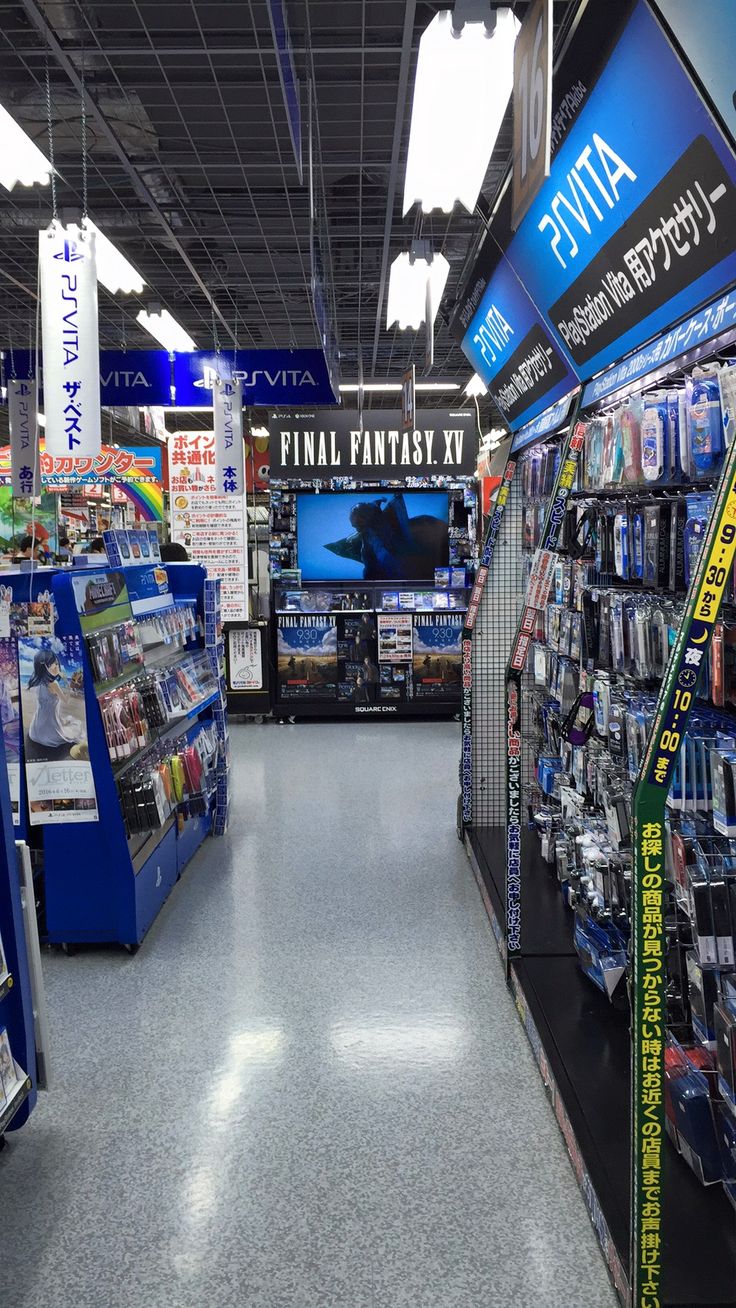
pixel 113 269
pixel 20 158
pixel 259 431
pixel 347 388
pixel 461 92
pixel 411 279
pixel 475 387
pixel 167 331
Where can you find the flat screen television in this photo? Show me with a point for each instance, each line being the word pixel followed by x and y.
pixel 372 535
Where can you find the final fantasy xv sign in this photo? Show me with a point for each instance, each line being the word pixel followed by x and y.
pixel 329 443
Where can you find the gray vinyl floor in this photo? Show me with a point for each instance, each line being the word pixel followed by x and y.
pixel 310 1087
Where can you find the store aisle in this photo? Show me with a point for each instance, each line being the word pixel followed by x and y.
pixel 310 1087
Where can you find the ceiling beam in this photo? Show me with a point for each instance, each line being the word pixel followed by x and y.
pixel 236 51
pixel 64 61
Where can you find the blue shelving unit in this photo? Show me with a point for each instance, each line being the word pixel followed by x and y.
pixel 100 886
pixel 16 1000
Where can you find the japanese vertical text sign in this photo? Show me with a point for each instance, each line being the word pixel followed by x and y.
pixel 71 346
pixel 25 474
pixel 676 698
pixel 227 405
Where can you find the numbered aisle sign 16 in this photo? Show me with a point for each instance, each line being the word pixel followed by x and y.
pixel 532 106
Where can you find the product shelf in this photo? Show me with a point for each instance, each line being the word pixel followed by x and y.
pixel 585 1043
pixel 169 732
pixel 24 1085
pixel 82 906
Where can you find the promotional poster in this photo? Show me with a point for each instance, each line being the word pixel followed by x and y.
pixel 307 657
pixel 59 776
pixel 332 443
pixel 372 535
pixel 395 642
pixel 101 599
pixel 244 659
pixel 18 519
pixel 437 661
pixel 211 527
pixel 359 681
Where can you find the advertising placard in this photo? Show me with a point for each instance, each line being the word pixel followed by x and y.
pixel 631 232
pixel 649 888
pixel 395 643
pixel 306 657
pixel 71 344
pixel 23 421
pixel 227 412
pixel 329 443
pixel 514 351
pixel 437 655
pixel 211 527
pixel 59 775
pixel 244 659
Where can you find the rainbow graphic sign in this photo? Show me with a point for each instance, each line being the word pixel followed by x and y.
pixel 135 470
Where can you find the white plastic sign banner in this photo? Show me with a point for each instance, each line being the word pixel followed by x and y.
pixel 71 346
pixel 25 472
pixel 227 404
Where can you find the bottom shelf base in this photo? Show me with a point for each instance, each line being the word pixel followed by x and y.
pixel 581 1045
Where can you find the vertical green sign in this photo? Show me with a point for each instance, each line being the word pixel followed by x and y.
pixel 676 698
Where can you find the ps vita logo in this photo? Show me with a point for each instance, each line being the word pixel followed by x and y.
pixel 282 377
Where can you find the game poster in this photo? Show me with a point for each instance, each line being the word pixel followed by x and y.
pixel 59 775
pixel 307 657
pixel 437 658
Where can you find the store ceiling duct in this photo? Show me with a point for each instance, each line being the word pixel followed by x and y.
pixel 166 330
pixel 475 387
pixel 20 158
pixel 461 93
pixel 414 283
pixel 113 269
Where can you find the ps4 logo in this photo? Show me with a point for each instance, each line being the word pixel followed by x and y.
pixel 282 377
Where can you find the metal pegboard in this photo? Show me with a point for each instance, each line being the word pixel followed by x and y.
pixel 497 621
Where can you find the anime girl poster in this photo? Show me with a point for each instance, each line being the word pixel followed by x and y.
pixel 58 772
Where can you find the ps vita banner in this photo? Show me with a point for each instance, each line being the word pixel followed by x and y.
pixel 227 405
pixel 71 346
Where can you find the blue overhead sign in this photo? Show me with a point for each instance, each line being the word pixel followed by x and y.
pixel 635 226
pixel 713 320
pixel 513 351
pixel 542 426
pixel 126 376
pixel 272 378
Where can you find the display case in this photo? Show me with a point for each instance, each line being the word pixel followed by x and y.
pixel 123 750
pixel 351 642
pixel 621 695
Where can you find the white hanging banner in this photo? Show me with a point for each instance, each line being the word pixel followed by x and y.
pixel 25 472
pixel 227 404
pixel 71 344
